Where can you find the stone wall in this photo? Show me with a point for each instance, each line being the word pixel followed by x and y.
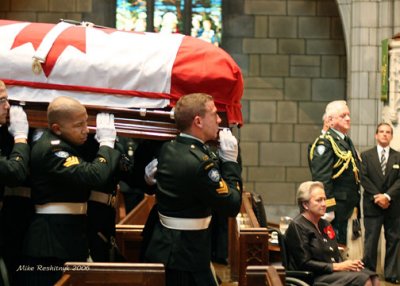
pixel 293 58
pixel 101 12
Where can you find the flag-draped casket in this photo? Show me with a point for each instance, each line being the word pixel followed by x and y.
pixel 137 76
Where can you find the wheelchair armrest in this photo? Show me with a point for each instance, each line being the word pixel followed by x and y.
pixel 306 276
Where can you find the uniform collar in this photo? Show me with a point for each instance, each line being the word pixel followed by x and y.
pixel 190 136
pixel 341 135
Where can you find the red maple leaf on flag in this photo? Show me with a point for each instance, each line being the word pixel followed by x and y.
pixel 35 32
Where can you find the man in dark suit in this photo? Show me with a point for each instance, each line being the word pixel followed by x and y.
pixel 381 203
pixel 335 162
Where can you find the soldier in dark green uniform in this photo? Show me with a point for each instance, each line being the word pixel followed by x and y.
pixel 191 183
pixel 101 212
pixel 14 163
pixel 335 162
pixel 61 184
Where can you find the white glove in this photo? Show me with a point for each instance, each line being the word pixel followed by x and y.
pixel 19 126
pixel 228 149
pixel 150 171
pixel 105 129
pixel 330 216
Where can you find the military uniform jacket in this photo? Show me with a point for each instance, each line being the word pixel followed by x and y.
pixel 335 163
pixel 190 185
pixel 374 182
pixel 14 170
pixel 59 174
pixel 310 249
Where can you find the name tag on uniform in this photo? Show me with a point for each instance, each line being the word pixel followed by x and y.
pixel 396 166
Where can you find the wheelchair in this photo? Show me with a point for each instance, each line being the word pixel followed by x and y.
pixel 293 277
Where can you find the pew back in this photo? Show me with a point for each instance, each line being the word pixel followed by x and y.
pixel 265 275
pixel 248 242
pixel 129 229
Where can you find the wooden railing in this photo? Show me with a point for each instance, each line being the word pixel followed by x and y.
pixel 132 274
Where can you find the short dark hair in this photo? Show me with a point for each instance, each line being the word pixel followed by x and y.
pixel 383 123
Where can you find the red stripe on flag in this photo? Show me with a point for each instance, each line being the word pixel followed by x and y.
pixel 85 89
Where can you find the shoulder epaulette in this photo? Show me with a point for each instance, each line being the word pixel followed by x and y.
pixel 198 153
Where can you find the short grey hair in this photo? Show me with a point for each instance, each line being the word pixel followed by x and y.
pixel 332 108
pixel 304 192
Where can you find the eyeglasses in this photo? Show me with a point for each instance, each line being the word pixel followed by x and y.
pixel 3 100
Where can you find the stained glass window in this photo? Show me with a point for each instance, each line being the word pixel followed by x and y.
pixel 131 15
pixel 198 18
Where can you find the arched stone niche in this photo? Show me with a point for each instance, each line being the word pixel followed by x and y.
pixel 391 111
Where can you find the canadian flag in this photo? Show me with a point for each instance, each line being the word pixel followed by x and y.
pixel 107 67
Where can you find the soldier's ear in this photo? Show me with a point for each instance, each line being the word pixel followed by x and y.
pixel 56 128
pixel 197 121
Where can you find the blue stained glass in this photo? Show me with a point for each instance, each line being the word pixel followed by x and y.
pixel 131 15
pixel 169 16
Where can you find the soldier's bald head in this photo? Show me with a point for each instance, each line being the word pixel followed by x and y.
pixel 2 87
pixel 63 108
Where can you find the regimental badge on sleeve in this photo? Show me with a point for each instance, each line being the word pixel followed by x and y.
pixel 214 175
pixel 102 160
pixel 320 149
pixel 62 154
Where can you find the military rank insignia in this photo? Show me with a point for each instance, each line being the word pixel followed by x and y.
pixel 71 161
pixel 223 188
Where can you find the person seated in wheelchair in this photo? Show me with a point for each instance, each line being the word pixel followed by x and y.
pixel 312 246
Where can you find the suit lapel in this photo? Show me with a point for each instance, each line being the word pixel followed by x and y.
pixel 390 161
pixel 375 160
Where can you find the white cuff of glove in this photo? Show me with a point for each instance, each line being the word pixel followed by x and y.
pixel 108 143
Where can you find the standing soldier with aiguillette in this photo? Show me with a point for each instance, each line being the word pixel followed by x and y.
pixel 335 162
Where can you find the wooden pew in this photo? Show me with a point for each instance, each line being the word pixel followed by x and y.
pixel 248 242
pixel 265 275
pixel 132 274
pixel 129 229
